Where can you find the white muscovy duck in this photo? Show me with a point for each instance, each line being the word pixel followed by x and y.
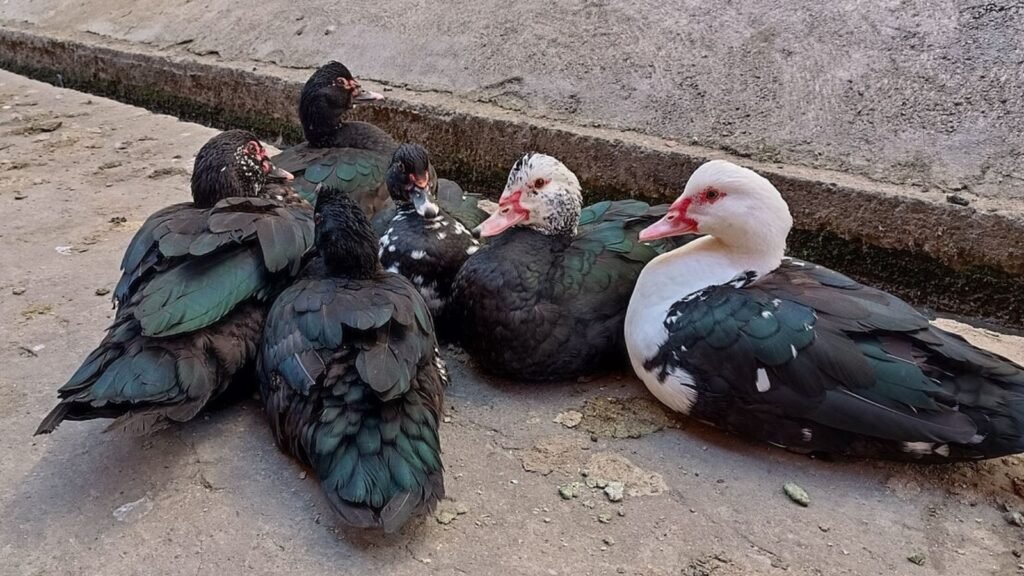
pixel 728 330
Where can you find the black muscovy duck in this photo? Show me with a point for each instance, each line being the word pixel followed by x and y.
pixel 197 281
pixel 728 330
pixel 424 240
pixel 351 377
pixel 347 155
pixel 545 299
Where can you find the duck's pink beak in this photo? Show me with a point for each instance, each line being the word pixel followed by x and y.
pixel 508 214
pixel 674 223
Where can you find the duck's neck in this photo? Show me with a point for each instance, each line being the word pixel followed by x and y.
pixel 702 263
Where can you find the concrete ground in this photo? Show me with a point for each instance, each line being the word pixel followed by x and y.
pixel 916 92
pixel 78 175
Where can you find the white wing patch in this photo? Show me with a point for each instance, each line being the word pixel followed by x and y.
pixel 763 383
pixel 417 254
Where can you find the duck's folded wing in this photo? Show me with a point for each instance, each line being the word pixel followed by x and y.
pixel 314 315
pixel 187 268
pixel 360 173
pixel 812 344
pixel 352 382
pixel 606 254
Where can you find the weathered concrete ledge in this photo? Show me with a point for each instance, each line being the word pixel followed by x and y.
pixel 965 260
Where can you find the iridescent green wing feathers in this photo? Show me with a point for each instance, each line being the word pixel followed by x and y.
pixel 358 172
pixel 606 253
pixel 353 383
pixel 194 266
pixel 393 331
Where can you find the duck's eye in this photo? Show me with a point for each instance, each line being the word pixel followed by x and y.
pixel 539 183
pixel 711 194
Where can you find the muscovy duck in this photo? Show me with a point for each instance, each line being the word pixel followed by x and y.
pixel 351 377
pixel 197 281
pixel 347 155
pixel 545 298
pixel 468 208
pixel 427 241
pixel 730 331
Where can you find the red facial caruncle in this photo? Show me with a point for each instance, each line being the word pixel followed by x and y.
pixel 258 153
pixel 678 220
pixel 510 212
pixel 256 150
pixel 420 181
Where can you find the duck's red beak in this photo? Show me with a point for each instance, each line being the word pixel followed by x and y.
pixel 508 214
pixel 674 223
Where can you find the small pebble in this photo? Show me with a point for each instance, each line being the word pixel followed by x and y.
pixel 604 518
pixel 614 491
pixel 1015 518
pixel 569 418
pixel 18 291
pixel 330 30
pixel 609 540
pixel 302 475
pixel 20 195
pixel 622 511
pixel 569 491
pixel 445 516
pixel 958 200
pixel 917 558
pixel 104 292
pixel 797 494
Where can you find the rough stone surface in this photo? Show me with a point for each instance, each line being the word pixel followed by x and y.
pixel 921 92
pixel 905 238
pixel 216 496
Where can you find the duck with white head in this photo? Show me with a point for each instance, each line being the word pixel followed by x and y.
pixel 730 331
pixel 545 298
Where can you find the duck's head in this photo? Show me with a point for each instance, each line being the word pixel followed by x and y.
pixel 411 180
pixel 231 164
pixel 325 98
pixel 541 193
pixel 343 235
pixel 732 203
